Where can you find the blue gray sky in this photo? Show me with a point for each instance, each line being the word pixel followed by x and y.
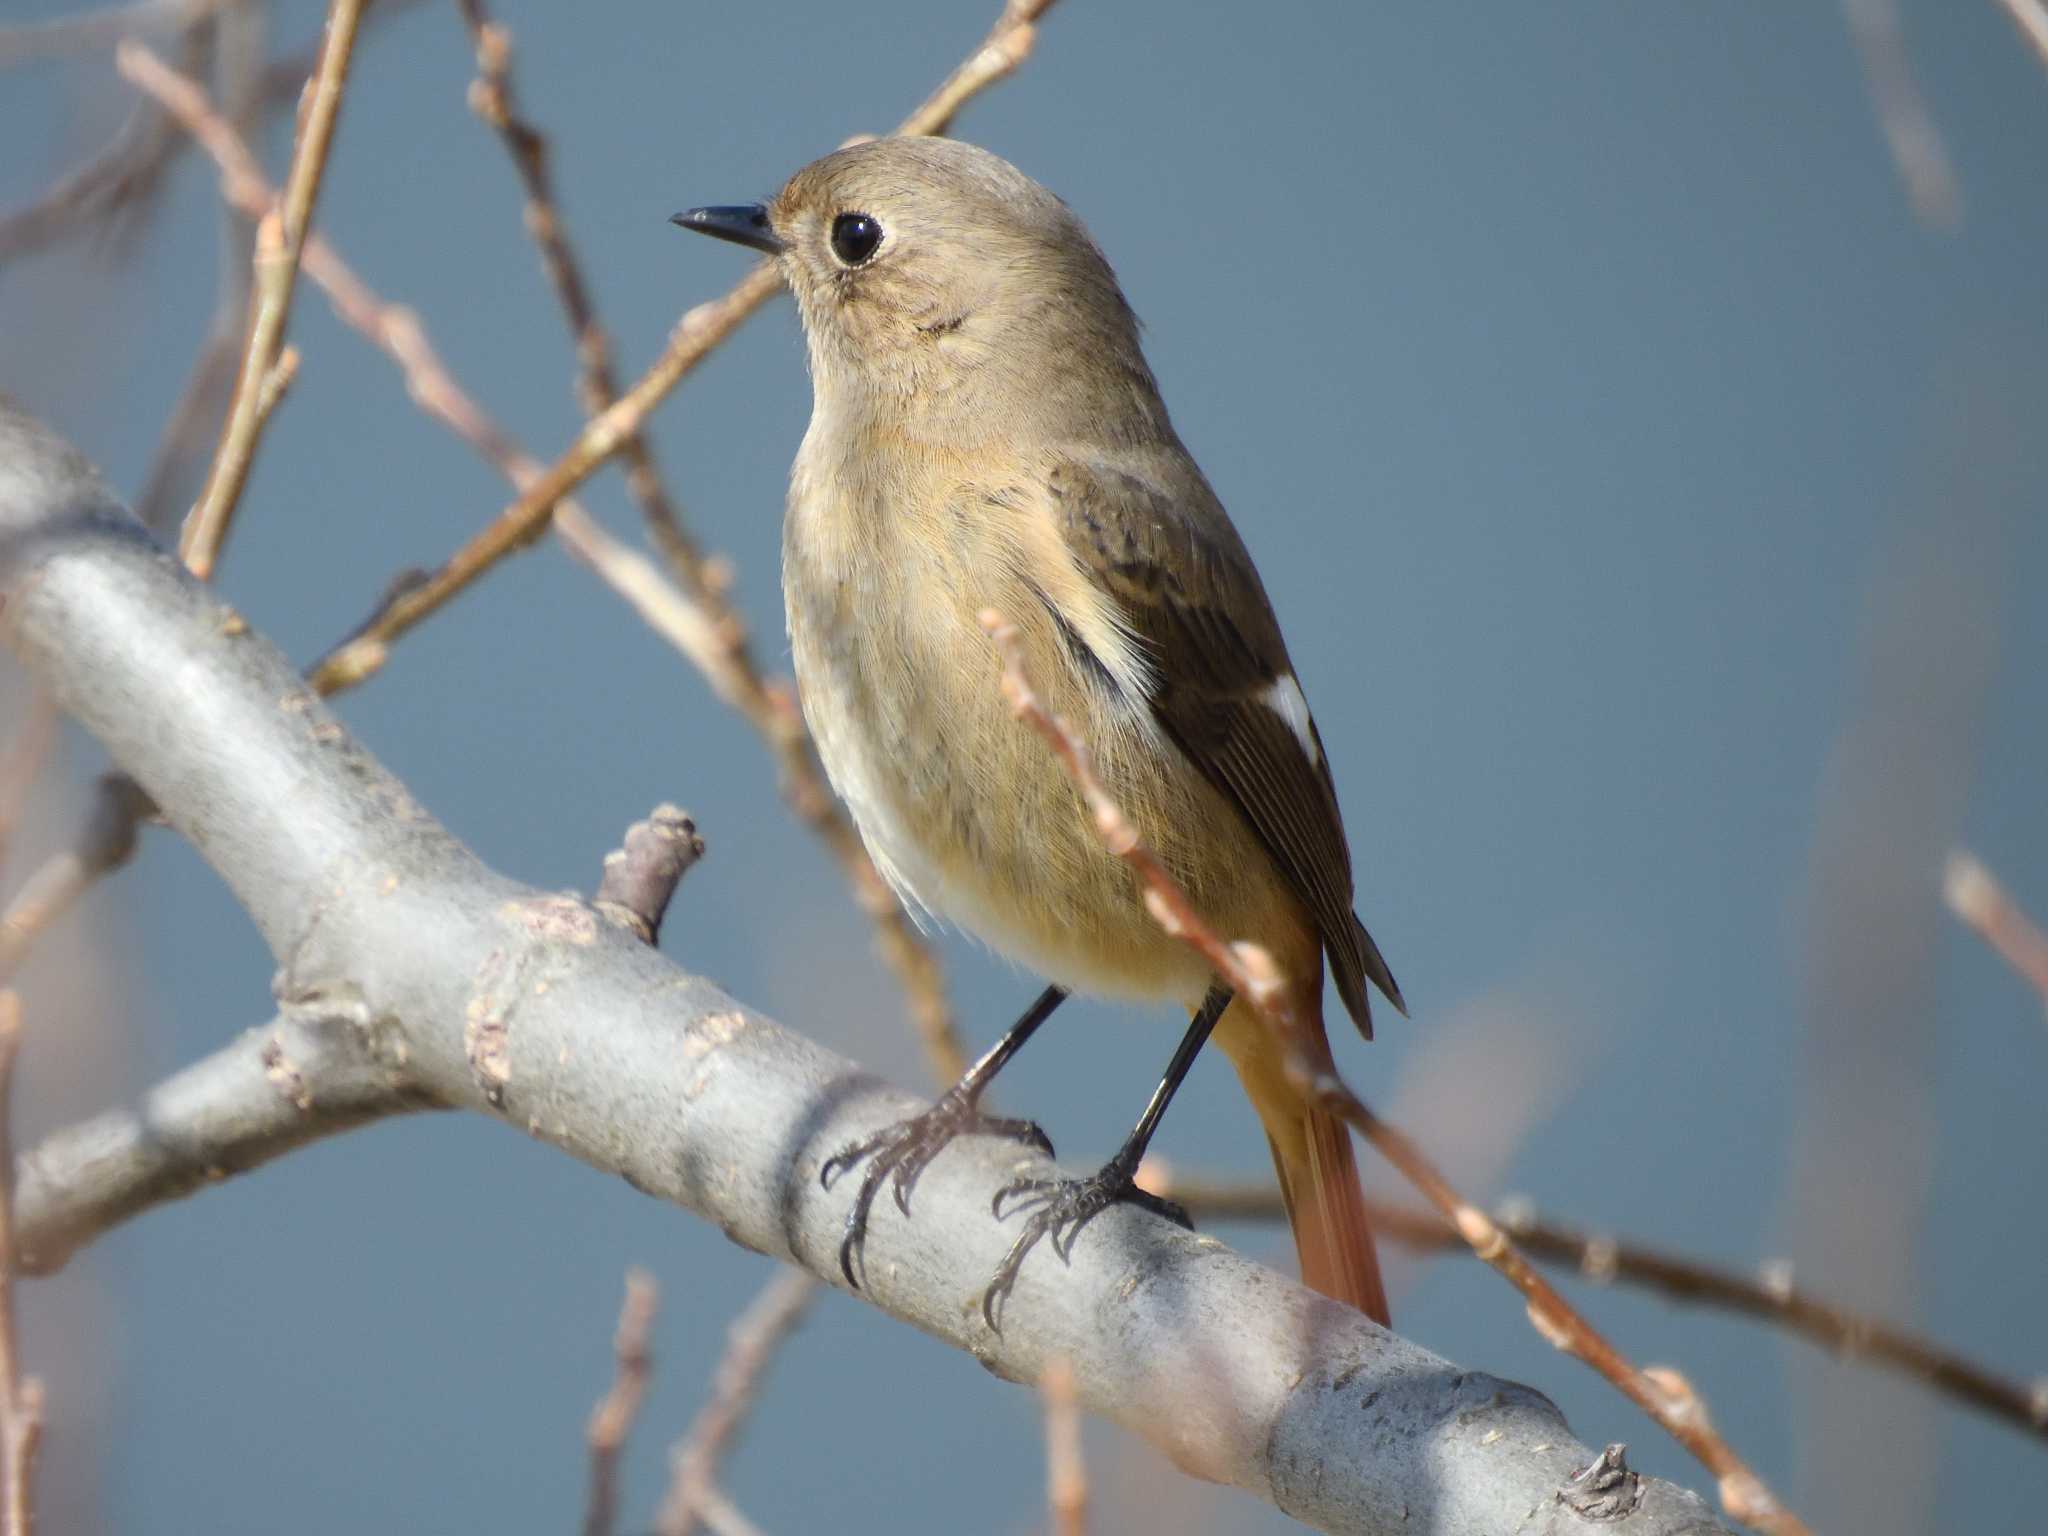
pixel 1654 507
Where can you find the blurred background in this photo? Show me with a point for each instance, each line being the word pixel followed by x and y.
pixel 1651 485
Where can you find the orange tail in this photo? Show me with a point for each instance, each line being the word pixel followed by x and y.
pixel 1318 1173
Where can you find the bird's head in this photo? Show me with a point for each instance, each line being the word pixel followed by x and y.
pixel 927 268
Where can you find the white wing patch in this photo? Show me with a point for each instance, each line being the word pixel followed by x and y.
pixel 1284 697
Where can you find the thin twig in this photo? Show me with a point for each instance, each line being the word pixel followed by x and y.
pixel 22 763
pixel 87 30
pixel 1066 1473
pixel 21 1399
pixel 105 842
pixel 1975 896
pixel 1249 972
pixel 612 1419
pixel 756 1334
pixel 196 416
pixel 1604 1259
pixel 699 331
pixel 121 179
pixel 2031 17
pixel 708 628
pixel 667 609
pixel 1909 129
pixel 645 1071
pixel 280 239
pixel 717 646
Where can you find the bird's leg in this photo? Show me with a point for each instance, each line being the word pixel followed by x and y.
pixel 1060 1208
pixel 902 1151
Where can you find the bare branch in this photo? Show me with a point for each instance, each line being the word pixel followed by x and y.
pixel 1603 1259
pixel 1249 972
pixel 1974 895
pixel 700 331
pixel 704 625
pixel 312 1072
pixel 194 423
pixel 750 1347
pixel 22 764
pixel 280 238
pixel 194 420
pixel 1007 45
pixel 119 185
pixel 412 975
pixel 612 1419
pixel 21 1399
pixel 398 332
pixel 106 841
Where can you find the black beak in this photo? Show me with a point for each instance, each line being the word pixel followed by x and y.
pixel 744 224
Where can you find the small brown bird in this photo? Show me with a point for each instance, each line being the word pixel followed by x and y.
pixel 985 433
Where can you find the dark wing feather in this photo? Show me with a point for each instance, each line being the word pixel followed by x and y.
pixel 1161 545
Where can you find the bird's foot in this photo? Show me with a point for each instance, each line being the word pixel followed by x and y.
pixel 900 1153
pixel 1059 1209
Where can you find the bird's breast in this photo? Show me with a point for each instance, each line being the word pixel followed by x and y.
pixel 962 808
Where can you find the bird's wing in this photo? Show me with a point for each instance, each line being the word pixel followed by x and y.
pixel 1225 690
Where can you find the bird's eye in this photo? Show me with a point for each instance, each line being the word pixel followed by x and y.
pixel 854 238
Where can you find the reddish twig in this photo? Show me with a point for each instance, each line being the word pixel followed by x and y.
pixel 1769 1296
pixel 1249 971
pixel 21 1398
pixel 699 331
pixel 22 762
pixel 708 628
pixel 756 1334
pixel 1066 1473
pixel 1975 896
pixel 612 1419
pixel 280 239
pixel 707 643
pixel 106 842
pixel 493 97
pixel 543 489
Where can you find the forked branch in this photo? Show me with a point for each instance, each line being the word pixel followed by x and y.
pixel 411 975
pixel 1249 971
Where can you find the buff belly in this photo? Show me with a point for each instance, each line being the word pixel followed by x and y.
pixel 971 819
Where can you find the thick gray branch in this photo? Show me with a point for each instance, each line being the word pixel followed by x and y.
pixel 412 975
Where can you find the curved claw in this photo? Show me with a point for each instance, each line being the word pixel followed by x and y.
pixel 1059 1209
pixel 1004 1280
pixel 857 1218
pixel 1027 1132
pixel 901 1153
pixel 845 1158
pixel 1028 1193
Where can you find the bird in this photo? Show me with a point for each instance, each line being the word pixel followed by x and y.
pixel 985 435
